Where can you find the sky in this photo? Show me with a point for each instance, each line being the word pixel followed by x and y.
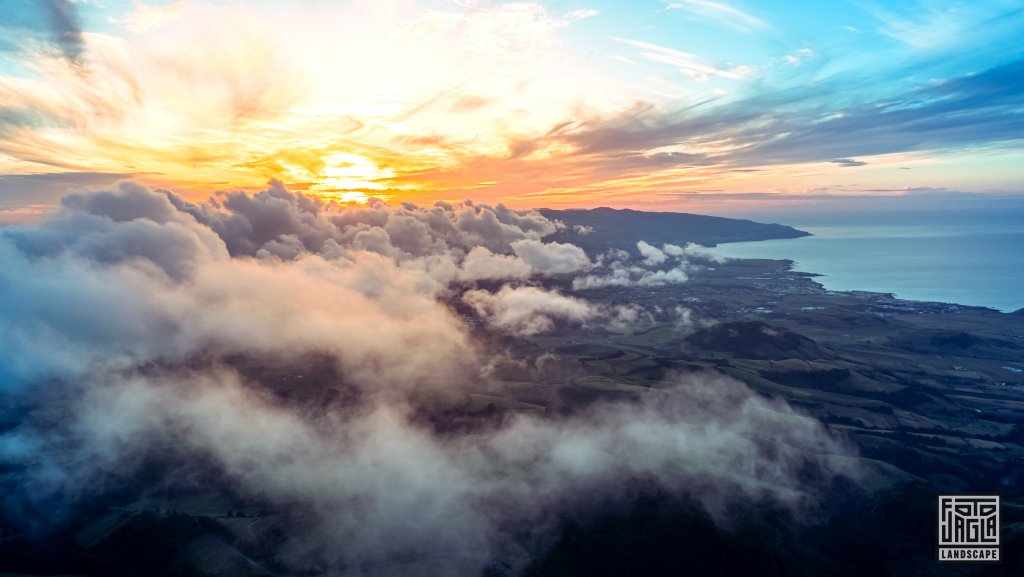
pixel 693 105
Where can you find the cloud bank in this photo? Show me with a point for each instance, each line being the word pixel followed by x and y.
pixel 129 317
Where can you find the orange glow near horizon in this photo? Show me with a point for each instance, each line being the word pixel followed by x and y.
pixel 454 101
pixel 380 111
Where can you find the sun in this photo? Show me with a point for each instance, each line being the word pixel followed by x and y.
pixel 347 177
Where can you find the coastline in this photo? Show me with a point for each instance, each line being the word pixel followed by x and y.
pixel 965 275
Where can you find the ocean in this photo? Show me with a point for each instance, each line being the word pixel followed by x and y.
pixel 980 262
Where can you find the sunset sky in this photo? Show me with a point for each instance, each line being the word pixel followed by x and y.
pixel 686 105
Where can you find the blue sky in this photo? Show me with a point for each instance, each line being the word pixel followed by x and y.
pixel 644 104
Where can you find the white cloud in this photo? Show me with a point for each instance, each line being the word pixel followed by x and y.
pixel 689 64
pixel 615 269
pixel 797 58
pixel 551 257
pixel 652 255
pixel 580 14
pixel 719 13
pixel 482 264
pixel 528 310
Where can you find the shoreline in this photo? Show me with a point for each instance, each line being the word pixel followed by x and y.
pixel 846 281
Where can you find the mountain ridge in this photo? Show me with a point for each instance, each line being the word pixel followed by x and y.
pixel 623 228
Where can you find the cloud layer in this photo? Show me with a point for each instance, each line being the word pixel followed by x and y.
pixel 129 317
